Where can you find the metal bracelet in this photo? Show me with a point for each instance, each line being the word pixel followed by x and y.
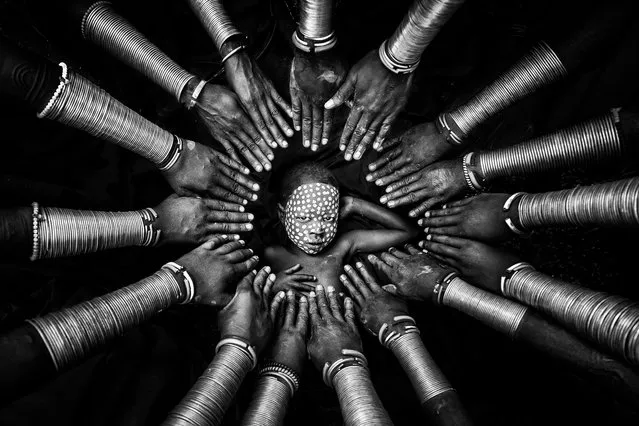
pixel 36 218
pixel 239 343
pixel 351 357
pixel 282 372
pixel 269 403
pixel 444 127
pixel 189 285
pixel 358 400
pixel 402 324
pixel 64 81
pixel 215 20
pixel 192 101
pixel 510 272
pixel 509 222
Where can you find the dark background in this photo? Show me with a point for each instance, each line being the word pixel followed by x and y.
pixel 141 376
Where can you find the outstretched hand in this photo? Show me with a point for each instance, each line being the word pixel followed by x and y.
pixel 378 97
pixel 331 329
pixel 291 279
pixel 289 347
pixel 412 274
pixel 216 267
pixel 375 307
pixel 249 315
pixel 201 170
pixel 314 79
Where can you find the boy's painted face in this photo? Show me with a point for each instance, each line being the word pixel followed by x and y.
pixel 310 216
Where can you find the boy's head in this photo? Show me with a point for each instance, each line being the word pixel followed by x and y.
pixel 309 206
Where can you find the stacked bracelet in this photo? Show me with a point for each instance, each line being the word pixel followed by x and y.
pixel 189 286
pixel 506 209
pixel 401 325
pixel 314 45
pixel 393 64
pixel 444 127
pixel 241 344
pixel 440 288
pixel 351 358
pixel 282 373
pixel 173 155
pixel 64 81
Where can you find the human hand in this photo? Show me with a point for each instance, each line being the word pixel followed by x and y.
pixel 331 331
pixel 220 110
pixel 189 220
pixel 415 149
pixel 480 218
pixel 413 274
pixel 289 347
pixel 202 170
pixel 215 267
pixel 248 315
pixel 374 306
pixel 259 98
pixel 378 97
pixel 290 279
pixel 314 79
pixel 479 263
pixel 431 185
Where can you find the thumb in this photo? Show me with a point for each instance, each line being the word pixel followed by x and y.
pixel 345 91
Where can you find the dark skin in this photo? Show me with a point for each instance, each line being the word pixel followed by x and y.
pixel 479 218
pixel 327 265
pixel 314 79
pixel 289 345
pixel 16 235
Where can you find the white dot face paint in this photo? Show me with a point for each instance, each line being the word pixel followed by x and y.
pixel 310 216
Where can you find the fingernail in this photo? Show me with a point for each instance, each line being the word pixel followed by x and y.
pixel 319 288
pixel 348 267
pixel 324 141
pixel 358 154
pixel 303 299
pixel 297 128
pixel 392 203
pixel 426 230
pixel 289 133
pixel 371 257
pixel 330 289
pixel 371 167
pixel 443 206
pixel 224 236
pixel 271 277
pixel 329 104
pixel 267 166
pixel 342 147
pixel 254 196
pixel 429 237
pixel 383 199
pixel 314 148
pixel 413 213
pixel 250 216
pixel 255 187
pixel 348 156
pixel 241 209
pixel 375 145
pixel 249 226
pixel 267 268
pixel 281 295
pixel 389 188
pixel 273 145
pixel 341 294
pixel 427 214
pixel 369 178
pixel 306 144
pixel 256 258
pixel 420 222
pixel 421 244
pixel 342 277
pixel 425 251
pixel 244 202
pixel 258 168
pixel 241 242
pixel 359 264
pixel 250 251
pixel 378 182
pixel 235 237
pixel 284 144
pixel 290 292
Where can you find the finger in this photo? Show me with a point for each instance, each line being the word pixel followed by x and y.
pixel 415 194
pixel 229 247
pixel 394 170
pixel 281 102
pixel 238 256
pixel 268 287
pixel 440 249
pixel 448 240
pixel 247 153
pixel 246 284
pixel 296 109
pixel 368 277
pixel 425 205
pixel 276 303
pixel 248 128
pixel 353 291
pixel 235 165
pixel 379 265
pixel 383 160
pixel 358 133
pixel 378 145
pixel 240 178
pixel 302 314
pixel 313 309
pixel 436 213
pixel 304 277
pixel 327 125
pixel 317 127
pixel 357 281
pixel 247 265
pixel 307 122
pixel 349 314
pixel 459 203
pixel 412 249
pixel 260 280
pixel 260 149
pixel 389 258
pixel 228 148
pixel 334 304
pixel 293 269
pixel 397 253
pixel 302 286
pixel 370 134
pixel 262 106
pixel 220 205
pixel 322 303
pixel 233 186
pixel 215 242
pixel 229 217
pixel 278 117
pixel 349 128
pixel 259 123
pixel 451 231
pixel 225 194
pixel 291 307
pixel 444 260
pixel 396 187
pixel 228 228
pixel 345 91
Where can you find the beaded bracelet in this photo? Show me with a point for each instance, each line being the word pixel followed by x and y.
pixel 506 209
pixel 283 373
pixel 239 343
pixel 350 358
pixel 388 333
pixel 37 217
pixel 64 81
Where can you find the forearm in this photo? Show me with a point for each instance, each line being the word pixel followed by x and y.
pixel 402 52
pixel 25 77
pixel 212 394
pixel 610 321
pixel 438 398
pixel 358 400
pixel 216 21
pixel 524 325
pixel 104 27
pixel 315 30
pixel 380 215
pixel 585 144
pixel 34 352
pixel 16 232
pixel 276 385
pixel 607 204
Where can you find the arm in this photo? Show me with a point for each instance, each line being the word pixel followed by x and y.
pixel 218 107
pixel 245 328
pixel 16 232
pixel 420 277
pixel 398 229
pixel 256 92
pixel 381 81
pixel 34 352
pixel 316 72
pixel 387 317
